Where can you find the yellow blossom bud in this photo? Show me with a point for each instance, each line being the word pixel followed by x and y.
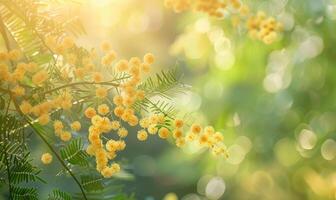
pixel 164 133
pixel 101 92
pixel 119 111
pixel 142 135
pixel 152 129
pixel 144 123
pixel 46 158
pixel 65 136
pixel 58 127
pixel 178 123
pixel 44 119
pixel 149 58
pixel 180 142
pixel 90 112
pixel 103 109
pixel 196 128
pixel 177 133
pixel 115 125
pixel 122 132
pixel 76 126
pixel 117 100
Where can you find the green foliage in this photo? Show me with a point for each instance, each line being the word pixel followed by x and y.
pixel 92 182
pixel 163 83
pixel 57 194
pixel 74 153
pixel 24 193
pixel 109 191
pixel 23 171
pixel 14 159
pixel 11 139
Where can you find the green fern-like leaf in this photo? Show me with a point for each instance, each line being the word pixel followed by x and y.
pixel 163 84
pixel 23 171
pixel 57 194
pixel 158 107
pixel 74 153
pixel 11 139
pixel 111 191
pixel 92 182
pixel 24 193
pixel 23 34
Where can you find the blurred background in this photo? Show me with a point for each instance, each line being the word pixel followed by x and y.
pixel 274 103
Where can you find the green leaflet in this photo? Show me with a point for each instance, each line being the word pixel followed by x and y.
pixel 57 194
pixel 24 193
pixel 74 153
pixel 92 182
pixel 162 83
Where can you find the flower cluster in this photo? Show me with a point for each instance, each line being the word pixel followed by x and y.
pixel 214 8
pixel 263 28
pixel 259 26
pixel 109 114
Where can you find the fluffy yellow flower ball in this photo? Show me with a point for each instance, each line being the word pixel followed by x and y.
pixel 101 92
pixel 111 145
pixel 144 123
pixel 177 133
pixel 46 158
pixel 115 125
pixel 152 129
pixel 149 58
pixel 180 142
pixel 107 172
pixel 44 119
pixel 118 100
pixel 65 136
pixel 103 109
pixel 122 132
pixel 142 135
pixel 178 123
pixel 90 112
pixel 196 128
pixel 58 127
pixel 164 133
pixel 119 111
pixel 76 125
